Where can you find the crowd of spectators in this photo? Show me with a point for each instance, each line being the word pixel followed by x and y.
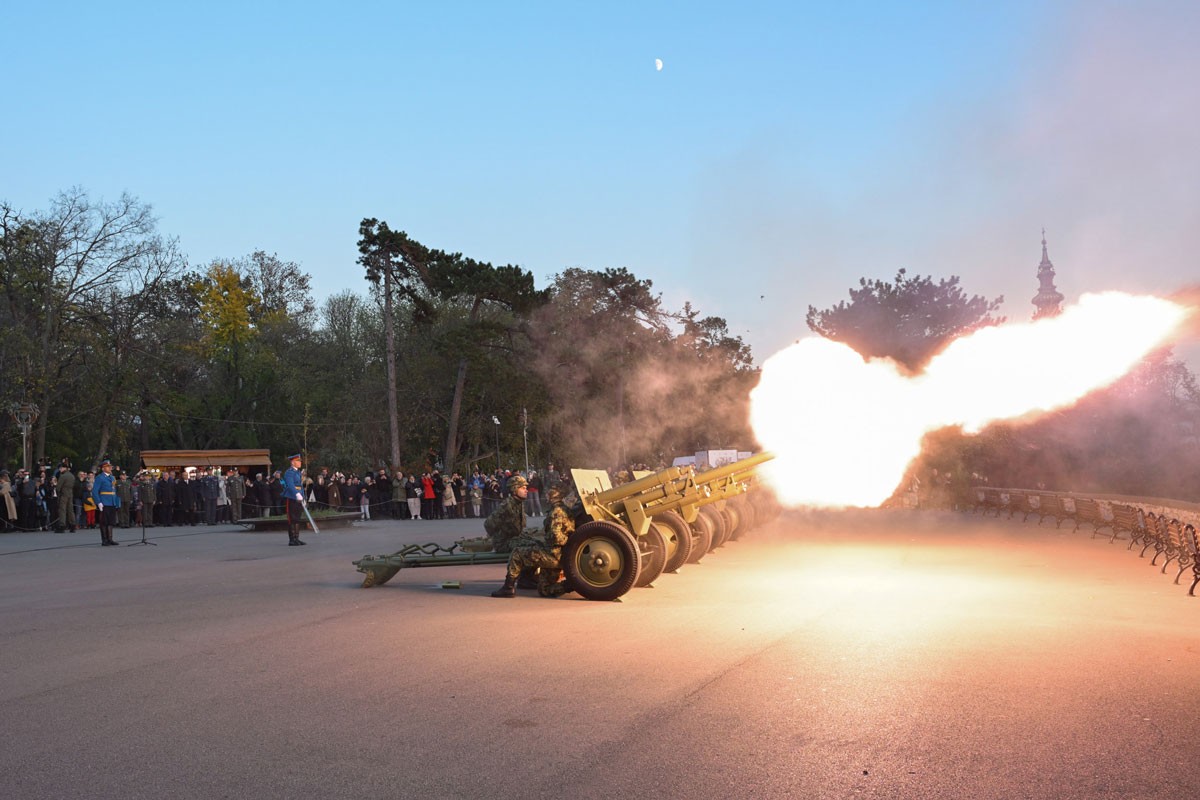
pixel 428 496
pixel 31 501
pixel 25 500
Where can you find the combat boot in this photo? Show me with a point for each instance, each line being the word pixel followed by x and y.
pixel 509 589
pixel 528 578
pixel 552 590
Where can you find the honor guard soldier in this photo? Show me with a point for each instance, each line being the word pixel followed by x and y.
pixel 293 494
pixel 235 489
pixel 125 495
pixel 104 494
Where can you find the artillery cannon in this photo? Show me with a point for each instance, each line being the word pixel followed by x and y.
pixel 625 536
pixel 628 535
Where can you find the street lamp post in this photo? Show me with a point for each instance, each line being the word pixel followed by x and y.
pixel 24 414
pixel 496 421
pixel 525 436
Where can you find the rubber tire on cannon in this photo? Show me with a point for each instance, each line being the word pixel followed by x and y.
pixel 702 538
pixel 601 560
pixel 679 539
pixel 654 555
pixel 728 522
pixel 747 518
pixel 720 531
pixel 733 518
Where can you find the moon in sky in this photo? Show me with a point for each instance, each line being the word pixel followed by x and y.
pixel 658 64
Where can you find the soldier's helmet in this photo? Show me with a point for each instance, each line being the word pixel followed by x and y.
pixel 517 482
pixel 554 495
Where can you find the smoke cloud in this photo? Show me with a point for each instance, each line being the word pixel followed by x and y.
pixel 1094 139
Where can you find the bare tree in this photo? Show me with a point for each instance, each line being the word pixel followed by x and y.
pixel 59 268
pixel 119 326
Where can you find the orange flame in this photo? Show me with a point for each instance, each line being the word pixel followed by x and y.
pixel 844 430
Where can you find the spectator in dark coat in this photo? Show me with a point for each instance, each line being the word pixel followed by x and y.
pixel 262 496
pixel 185 500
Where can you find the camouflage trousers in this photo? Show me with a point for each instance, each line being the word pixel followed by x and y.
pixel 536 555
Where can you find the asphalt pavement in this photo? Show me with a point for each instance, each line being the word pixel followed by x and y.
pixel 832 655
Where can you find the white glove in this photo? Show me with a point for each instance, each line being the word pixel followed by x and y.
pixel 300 497
pixel 100 506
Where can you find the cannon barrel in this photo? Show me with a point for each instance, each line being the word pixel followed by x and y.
pixel 712 485
pixel 650 483
pixel 633 504
pixel 734 468
pixel 673 485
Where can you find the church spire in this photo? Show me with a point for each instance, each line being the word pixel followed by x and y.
pixel 1048 299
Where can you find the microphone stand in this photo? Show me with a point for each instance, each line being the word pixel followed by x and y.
pixel 143 541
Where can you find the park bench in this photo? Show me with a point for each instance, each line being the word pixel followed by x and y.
pixel 1193 546
pixel 1058 506
pixel 1174 547
pixel 1127 518
pixel 1092 512
pixel 978 498
pixel 1172 539
pixel 1026 503
pixel 1008 500
pixel 991 500
pixel 1035 503
pixel 1155 535
pixel 1032 505
pixel 1046 505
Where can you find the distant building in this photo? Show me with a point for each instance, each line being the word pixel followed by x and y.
pixel 1048 300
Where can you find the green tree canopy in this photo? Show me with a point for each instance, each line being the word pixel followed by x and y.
pixel 432 283
pixel 908 320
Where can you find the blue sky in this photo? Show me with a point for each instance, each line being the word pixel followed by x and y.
pixel 784 151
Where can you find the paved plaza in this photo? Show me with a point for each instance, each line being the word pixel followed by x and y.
pixel 865 654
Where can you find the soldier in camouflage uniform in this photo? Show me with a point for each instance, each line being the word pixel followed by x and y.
pixel 543 552
pixel 125 494
pixel 235 490
pixel 507 522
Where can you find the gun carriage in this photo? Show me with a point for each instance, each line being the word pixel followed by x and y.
pixel 625 536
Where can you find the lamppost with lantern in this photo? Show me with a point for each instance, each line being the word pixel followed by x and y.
pixel 496 422
pixel 24 414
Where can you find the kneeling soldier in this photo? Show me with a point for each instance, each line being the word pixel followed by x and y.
pixel 530 552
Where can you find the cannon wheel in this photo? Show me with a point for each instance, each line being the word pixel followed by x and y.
pixel 737 525
pixel 679 539
pixel 654 555
pixel 730 522
pixel 719 530
pixel 702 536
pixel 601 560
pixel 748 517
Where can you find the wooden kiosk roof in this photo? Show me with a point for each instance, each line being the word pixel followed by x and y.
pixel 206 458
